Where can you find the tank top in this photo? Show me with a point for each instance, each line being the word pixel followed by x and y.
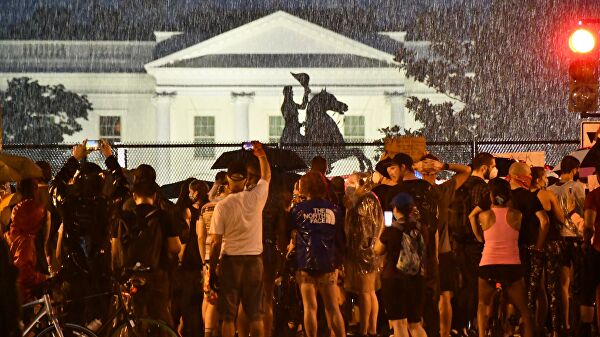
pixel 501 242
pixel 554 226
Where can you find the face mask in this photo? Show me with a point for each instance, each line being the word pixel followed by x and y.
pixel 494 173
pixel 523 181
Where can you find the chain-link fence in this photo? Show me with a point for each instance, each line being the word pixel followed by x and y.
pixel 175 162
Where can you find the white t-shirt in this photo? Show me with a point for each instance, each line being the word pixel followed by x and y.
pixel 238 218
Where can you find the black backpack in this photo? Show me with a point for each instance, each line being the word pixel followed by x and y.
pixel 142 238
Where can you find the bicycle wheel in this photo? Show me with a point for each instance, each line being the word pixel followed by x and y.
pixel 68 330
pixel 145 328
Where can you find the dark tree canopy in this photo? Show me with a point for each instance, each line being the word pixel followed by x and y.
pixel 37 114
pixel 507 65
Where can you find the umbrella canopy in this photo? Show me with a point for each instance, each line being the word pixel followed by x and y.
pixel 17 168
pixel 171 191
pixel 286 160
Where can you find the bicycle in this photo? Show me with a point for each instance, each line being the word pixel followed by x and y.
pixel 495 327
pixel 123 322
pixel 54 328
pixel 499 319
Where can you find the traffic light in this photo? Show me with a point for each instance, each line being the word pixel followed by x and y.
pixel 583 70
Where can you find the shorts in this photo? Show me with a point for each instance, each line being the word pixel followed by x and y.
pixel 448 272
pixel 570 251
pixel 590 277
pixel 404 298
pixel 209 294
pixel 506 274
pixel 318 279
pixel 241 281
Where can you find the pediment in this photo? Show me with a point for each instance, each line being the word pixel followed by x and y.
pixel 278 33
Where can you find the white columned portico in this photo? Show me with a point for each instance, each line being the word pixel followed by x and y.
pixel 162 162
pixel 241 118
pixel 397 102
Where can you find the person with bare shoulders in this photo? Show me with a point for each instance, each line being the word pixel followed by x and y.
pixel 553 249
pixel 500 262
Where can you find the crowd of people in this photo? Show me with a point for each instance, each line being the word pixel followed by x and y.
pixel 397 251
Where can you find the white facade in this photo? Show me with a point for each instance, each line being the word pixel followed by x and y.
pixel 207 83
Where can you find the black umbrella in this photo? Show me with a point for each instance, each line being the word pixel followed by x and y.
pixel 286 160
pixel 171 191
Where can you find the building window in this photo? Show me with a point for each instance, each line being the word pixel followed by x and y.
pixel 354 129
pixel 204 133
pixel 276 125
pixel 110 128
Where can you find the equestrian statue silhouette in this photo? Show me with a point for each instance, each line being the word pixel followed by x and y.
pixel 322 136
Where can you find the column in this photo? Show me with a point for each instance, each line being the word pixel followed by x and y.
pixel 397 102
pixel 162 156
pixel 241 118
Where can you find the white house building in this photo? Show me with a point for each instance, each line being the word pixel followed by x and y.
pixel 185 88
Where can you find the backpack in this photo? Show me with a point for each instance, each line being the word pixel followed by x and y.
pixel 412 254
pixel 142 239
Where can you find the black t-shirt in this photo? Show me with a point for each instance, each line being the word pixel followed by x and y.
pixel 386 193
pixel 528 204
pixel 391 237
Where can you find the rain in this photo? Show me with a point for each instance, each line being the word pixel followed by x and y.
pixel 377 141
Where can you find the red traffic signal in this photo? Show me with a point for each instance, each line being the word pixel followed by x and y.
pixel 582 41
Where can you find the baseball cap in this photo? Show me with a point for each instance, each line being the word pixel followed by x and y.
pixel 237 171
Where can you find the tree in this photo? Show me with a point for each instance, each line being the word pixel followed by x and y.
pixel 36 114
pixel 504 61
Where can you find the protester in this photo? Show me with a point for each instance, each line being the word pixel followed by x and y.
pixel 148 240
pixel 466 248
pixel 236 237
pixel 192 197
pixel 425 199
pixel 500 261
pixel 363 223
pixel 210 313
pixel 550 290
pixel 429 166
pixel 591 249
pixel 571 196
pixel 403 288
pixel 315 223
pixel 85 243
pixel 27 219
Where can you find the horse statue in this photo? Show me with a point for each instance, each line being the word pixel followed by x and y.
pixel 322 135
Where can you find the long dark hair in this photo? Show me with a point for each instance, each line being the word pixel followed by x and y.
pixel 500 191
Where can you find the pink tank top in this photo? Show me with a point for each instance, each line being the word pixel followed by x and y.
pixel 501 242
